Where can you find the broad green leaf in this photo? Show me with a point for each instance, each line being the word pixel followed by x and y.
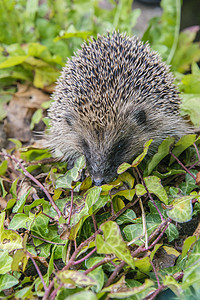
pixel 20 260
pixel 143 264
pixel 5 262
pixel 7 281
pixel 75 277
pixel 21 221
pixel 3 167
pixel 9 240
pixel 154 186
pixel 12 61
pixel 2 189
pixel 128 194
pixel 97 274
pixel 126 217
pixel 19 206
pixel 123 167
pixel 92 196
pixel 71 175
pixel 128 179
pixel 84 295
pixel 112 243
pixel 37 116
pixel 181 209
pixel 163 150
pixel 138 159
pixel 128 292
pixel 184 142
pixel 187 244
pixel 31 154
pixel 66 35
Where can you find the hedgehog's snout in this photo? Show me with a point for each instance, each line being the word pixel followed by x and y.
pixel 98 180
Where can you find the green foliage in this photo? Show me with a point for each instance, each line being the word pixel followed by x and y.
pixel 103 230
pixel 38 37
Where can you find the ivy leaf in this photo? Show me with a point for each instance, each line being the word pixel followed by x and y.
pixel 181 209
pixel 112 243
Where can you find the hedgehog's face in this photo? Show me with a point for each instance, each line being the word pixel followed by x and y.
pixel 106 147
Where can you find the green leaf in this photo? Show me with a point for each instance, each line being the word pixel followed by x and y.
pixel 128 292
pixel 92 196
pixel 3 191
pixel 192 270
pixel 21 221
pixel 84 295
pixel 112 243
pixel 187 244
pixel 163 151
pixel 184 142
pixel 7 281
pixel 75 277
pixel 72 175
pixel 191 106
pixel 5 262
pixel 37 116
pixel 123 167
pixel 97 274
pixel 138 159
pixel 126 217
pixel 19 206
pixel 12 61
pixel 181 209
pixel 128 194
pixel 154 186
pixel 3 167
pixel 9 240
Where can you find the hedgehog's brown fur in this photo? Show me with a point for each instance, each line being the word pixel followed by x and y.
pixel 112 96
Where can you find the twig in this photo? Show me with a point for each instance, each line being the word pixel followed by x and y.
pixel 38 271
pixel 54 293
pixel 27 174
pixel 47 292
pixel 102 262
pixel 39 238
pixel 71 261
pixel 144 224
pixel 94 222
pixel 114 274
pixel 182 165
pixel 155 272
pixel 85 257
pixel 197 151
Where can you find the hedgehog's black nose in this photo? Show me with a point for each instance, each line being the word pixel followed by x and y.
pixel 98 181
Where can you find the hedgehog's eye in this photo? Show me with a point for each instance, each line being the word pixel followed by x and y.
pixel 119 147
pixel 140 117
pixel 69 119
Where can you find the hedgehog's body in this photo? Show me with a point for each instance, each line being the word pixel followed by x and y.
pixel 112 97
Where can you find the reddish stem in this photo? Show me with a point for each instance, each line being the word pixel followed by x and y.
pixel 182 165
pixel 38 271
pixel 115 273
pixel 102 262
pixel 27 174
pixel 85 257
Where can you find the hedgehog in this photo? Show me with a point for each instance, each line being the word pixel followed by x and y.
pixel 113 95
